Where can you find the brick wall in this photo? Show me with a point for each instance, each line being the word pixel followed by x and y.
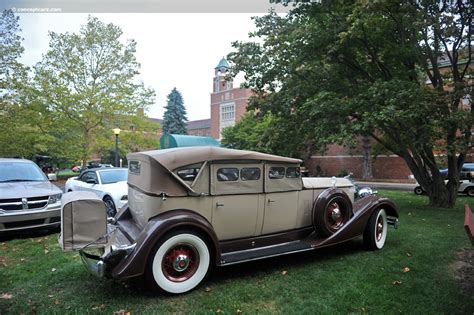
pixel 383 167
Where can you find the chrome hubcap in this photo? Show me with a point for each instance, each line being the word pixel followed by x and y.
pixel 336 214
pixel 379 229
pixel 181 263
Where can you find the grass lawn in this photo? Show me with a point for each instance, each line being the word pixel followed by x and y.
pixel 36 277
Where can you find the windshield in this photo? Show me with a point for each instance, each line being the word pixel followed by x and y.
pixel 20 172
pixel 113 176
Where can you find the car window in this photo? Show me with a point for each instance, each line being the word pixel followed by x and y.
pixel 250 173
pixel 113 176
pixel 276 172
pixel 468 168
pixel 20 171
pixel 88 176
pixel 227 174
pixel 293 172
pixel 188 174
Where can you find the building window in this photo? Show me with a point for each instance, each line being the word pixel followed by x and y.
pixel 227 112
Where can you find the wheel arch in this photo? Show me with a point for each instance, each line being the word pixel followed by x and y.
pixel 157 228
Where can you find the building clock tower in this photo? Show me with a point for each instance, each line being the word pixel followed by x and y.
pixel 228 104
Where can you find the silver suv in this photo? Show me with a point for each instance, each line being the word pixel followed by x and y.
pixel 27 198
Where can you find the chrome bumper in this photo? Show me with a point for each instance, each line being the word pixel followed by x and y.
pixel 393 221
pixel 100 261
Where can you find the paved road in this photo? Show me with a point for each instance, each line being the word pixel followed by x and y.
pixel 383 185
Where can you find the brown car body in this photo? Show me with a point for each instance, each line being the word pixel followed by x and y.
pixel 191 208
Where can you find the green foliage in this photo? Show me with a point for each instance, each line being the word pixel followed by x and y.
pixel 260 133
pixel 174 119
pixel 84 82
pixel 330 71
pixel 18 137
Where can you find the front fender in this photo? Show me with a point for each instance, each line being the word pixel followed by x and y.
pixel 135 263
pixel 362 210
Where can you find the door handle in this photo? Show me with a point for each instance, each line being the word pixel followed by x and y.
pixel 219 205
pixel 269 200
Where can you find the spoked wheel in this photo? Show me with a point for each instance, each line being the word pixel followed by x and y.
pixel 110 206
pixel 375 232
pixel 179 263
pixel 329 217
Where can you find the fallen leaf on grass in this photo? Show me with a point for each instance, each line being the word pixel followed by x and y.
pixel 408 254
pixel 53 270
pixel 238 311
pixel 98 307
pixel 50 295
pixel 46 251
pixel 22 259
pixel 397 282
pixel 219 310
pixel 406 269
pixel 363 310
pixel 284 272
pixel 208 289
pixel 3 262
pixel 56 302
pixel 6 296
pixel 122 312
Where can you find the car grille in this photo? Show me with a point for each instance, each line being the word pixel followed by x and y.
pixel 24 203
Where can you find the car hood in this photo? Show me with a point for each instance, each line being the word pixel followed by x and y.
pixel 27 189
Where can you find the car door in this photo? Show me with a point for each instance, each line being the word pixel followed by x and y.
pixel 87 181
pixel 282 186
pixel 237 205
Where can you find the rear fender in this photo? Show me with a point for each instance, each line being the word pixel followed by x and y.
pixel 135 263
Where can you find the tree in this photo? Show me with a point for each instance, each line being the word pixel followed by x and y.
pixel 174 120
pixel 85 81
pixel 18 136
pixel 371 68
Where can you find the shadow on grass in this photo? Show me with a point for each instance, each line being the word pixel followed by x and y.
pixel 252 269
pixel 30 233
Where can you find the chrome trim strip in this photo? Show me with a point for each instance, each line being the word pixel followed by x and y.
pixel 223 263
pixel 260 248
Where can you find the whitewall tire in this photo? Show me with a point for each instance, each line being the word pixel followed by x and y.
pixel 375 233
pixel 179 263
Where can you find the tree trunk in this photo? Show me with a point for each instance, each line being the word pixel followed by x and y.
pixel 367 146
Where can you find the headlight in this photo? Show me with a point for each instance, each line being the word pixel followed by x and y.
pixel 124 197
pixel 54 198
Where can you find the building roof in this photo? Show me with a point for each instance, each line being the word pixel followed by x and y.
pixel 199 124
pixel 223 64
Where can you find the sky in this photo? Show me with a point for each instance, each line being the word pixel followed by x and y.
pixel 175 49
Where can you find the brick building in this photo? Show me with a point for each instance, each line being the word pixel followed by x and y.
pixel 228 104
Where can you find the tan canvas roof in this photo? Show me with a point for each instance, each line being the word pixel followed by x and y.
pixel 156 175
pixel 177 157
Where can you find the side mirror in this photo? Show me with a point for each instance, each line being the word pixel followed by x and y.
pixel 52 177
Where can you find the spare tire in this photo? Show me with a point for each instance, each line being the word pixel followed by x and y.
pixel 331 211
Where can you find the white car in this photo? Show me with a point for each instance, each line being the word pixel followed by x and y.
pixel 465 187
pixel 110 184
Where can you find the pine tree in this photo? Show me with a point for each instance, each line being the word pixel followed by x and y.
pixel 174 120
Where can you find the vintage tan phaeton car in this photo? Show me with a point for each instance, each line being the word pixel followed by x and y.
pixel 193 208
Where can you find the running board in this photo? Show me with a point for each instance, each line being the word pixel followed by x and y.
pixel 264 252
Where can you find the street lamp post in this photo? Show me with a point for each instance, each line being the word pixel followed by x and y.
pixel 116 132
